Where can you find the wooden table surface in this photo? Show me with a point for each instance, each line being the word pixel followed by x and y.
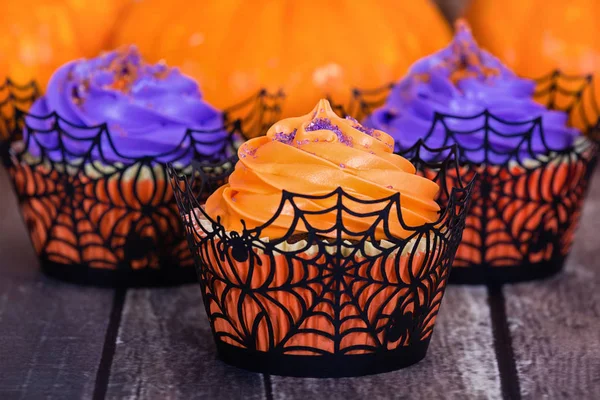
pixel 62 341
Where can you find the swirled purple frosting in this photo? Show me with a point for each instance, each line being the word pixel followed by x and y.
pixel 457 85
pixel 147 109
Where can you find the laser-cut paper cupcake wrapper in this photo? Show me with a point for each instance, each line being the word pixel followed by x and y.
pixel 14 97
pixel 526 203
pixel 334 302
pixel 95 221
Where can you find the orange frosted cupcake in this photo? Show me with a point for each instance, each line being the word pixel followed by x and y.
pixel 325 254
pixel 89 169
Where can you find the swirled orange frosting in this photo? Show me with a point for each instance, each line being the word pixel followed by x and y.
pixel 313 155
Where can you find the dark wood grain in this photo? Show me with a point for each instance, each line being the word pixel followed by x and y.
pixel 555 324
pixel 51 334
pixel 165 350
pixel 460 362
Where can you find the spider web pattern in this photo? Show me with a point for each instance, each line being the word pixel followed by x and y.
pixel 525 206
pixel 82 209
pixel 337 291
pixel 574 94
pixel 523 212
pixel 12 98
pixel 522 216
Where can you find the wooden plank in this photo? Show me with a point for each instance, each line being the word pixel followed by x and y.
pixel 165 350
pixel 460 362
pixel 555 324
pixel 51 334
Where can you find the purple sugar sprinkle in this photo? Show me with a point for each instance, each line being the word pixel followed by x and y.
pixel 249 152
pixel 368 131
pixel 389 187
pixel 363 129
pixel 286 138
pixel 302 142
pixel 342 165
pixel 324 123
pixel 321 123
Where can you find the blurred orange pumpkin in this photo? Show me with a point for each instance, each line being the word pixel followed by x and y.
pixel 536 36
pixel 309 47
pixel 37 36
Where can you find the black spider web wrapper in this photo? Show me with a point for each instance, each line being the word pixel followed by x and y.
pixel 528 194
pixel 12 98
pixel 96 221
pixel 335 301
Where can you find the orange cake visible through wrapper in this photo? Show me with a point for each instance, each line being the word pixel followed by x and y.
pixel 525 214
pixel 101 221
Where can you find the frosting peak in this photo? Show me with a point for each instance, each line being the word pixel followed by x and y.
pixel 330 128
pixel 313 155
pixel 468 61
pixel 462 81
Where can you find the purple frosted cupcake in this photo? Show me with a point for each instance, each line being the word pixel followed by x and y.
pixel 533 166
pixel 89 171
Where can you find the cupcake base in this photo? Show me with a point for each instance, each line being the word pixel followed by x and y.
pixel 323 366
pixel 522 221
pixel 121 229
pixel 84 275
pixel 486 273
